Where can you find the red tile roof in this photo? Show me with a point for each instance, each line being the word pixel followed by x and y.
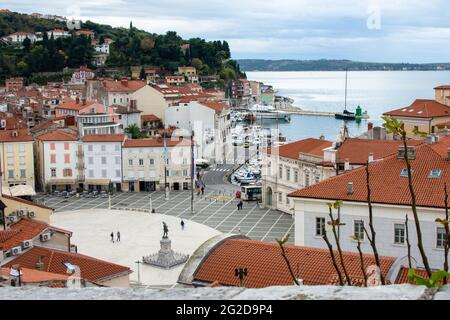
pixel 74 105
pixel 309 146
pixel 357 150
pixel 217 106
pixel 123 85
pixel 25 229
pixel 35 276
pixel 402 276
pixel 444 87
pixel 387 185
pixel 149 117
pixel 104 138
pixel 57 135
pixel 92 269
pixel 152 143
pixel 422 108
pixel 22 136
pixel 266 267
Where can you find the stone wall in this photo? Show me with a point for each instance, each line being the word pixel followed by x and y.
pixel 398 292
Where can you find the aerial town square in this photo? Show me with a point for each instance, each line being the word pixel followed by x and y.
pixel 244 151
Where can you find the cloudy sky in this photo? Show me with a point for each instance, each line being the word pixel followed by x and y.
pixel 364 30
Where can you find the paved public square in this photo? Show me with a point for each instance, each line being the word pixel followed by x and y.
pixel 216 209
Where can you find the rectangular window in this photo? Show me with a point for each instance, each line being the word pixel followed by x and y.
pixel 53 158
pixel 320 225
pixel 67 158
pixel 22 148
pixel 130 162
pixel 317 179
pixel 104 173
pixel 103 160
pixel 288 174
pixel 152 162
pixel 52 146
pixel 91 173
pixel 185 173
pixel 358 229
pixel 90 160
pixel 53 173
pixel 141 162
pixel 295 176
pixel 10 174
pixel 117 173
pixel 66 146
pixel 440 237
pixel 280 197
pixel 399 233
pixel 103 147
pixel 90 147
pixel 22 161
pixel 307 181
pixel 117 147
pixel 117 160
pixel 10 148
pixel 23 173
pixel 280 173
pixel 10 161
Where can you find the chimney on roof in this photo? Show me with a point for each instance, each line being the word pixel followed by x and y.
pixel 124 82
pixel 133 105
pixel 347 165
pixel 371 157
pixel 40 264
pixel 411 153
pixel 369 126
pixel 77 100
pixel 83 101
pixel 350 188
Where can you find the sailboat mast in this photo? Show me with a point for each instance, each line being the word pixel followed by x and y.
pixel 346 73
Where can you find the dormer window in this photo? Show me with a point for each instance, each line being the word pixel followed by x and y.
pixel 435 173
pixel 404 172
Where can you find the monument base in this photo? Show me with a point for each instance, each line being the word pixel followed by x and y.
pixel 165 258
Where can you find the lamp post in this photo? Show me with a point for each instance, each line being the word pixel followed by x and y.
pixel 151 204
pixel 192 171
pixel 139 271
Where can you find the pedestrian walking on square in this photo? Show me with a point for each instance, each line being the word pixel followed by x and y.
pixel 241 204
pixel 182 224
pixel 112 237
pixel 203 191
pixel 118 236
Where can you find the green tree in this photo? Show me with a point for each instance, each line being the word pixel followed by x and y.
pixel 142 75
pixel 134 131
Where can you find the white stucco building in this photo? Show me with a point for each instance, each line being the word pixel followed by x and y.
pixel 143 164
pixel 391 203
pixel 210 121
pixel 103 161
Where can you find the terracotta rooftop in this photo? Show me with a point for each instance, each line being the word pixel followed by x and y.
pixel 308 146
pixel 123 85
pixel 75 105
pixel 153 143
pixel 218 106
pixel 57 135
pixel 149 117
pixel 357 150
pixel 104 138
pixel 9 136
pixel 35 276
pixel 388 186
pixel 421 108
pixel 25 229
pixel 92 269
pixel 30 203
pixel 444 87
pixel 402 276
pixel 266 267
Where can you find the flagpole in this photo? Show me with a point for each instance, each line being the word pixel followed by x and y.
pixel 166 188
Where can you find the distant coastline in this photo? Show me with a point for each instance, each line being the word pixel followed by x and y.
pixel 335 65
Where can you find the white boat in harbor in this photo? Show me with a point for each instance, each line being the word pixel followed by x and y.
pixel 269 113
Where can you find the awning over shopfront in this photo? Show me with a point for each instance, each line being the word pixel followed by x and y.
pixel 19 191
pixel 96 182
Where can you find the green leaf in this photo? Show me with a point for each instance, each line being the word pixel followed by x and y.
pixel 439 275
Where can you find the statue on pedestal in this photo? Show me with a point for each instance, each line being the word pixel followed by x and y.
pixel 165 230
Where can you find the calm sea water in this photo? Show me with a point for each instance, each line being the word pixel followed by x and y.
pixel 374 91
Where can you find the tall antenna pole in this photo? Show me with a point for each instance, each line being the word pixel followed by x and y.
pixel 192 171
pixel 346 79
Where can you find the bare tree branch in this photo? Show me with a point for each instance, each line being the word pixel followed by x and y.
pixel 333 258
